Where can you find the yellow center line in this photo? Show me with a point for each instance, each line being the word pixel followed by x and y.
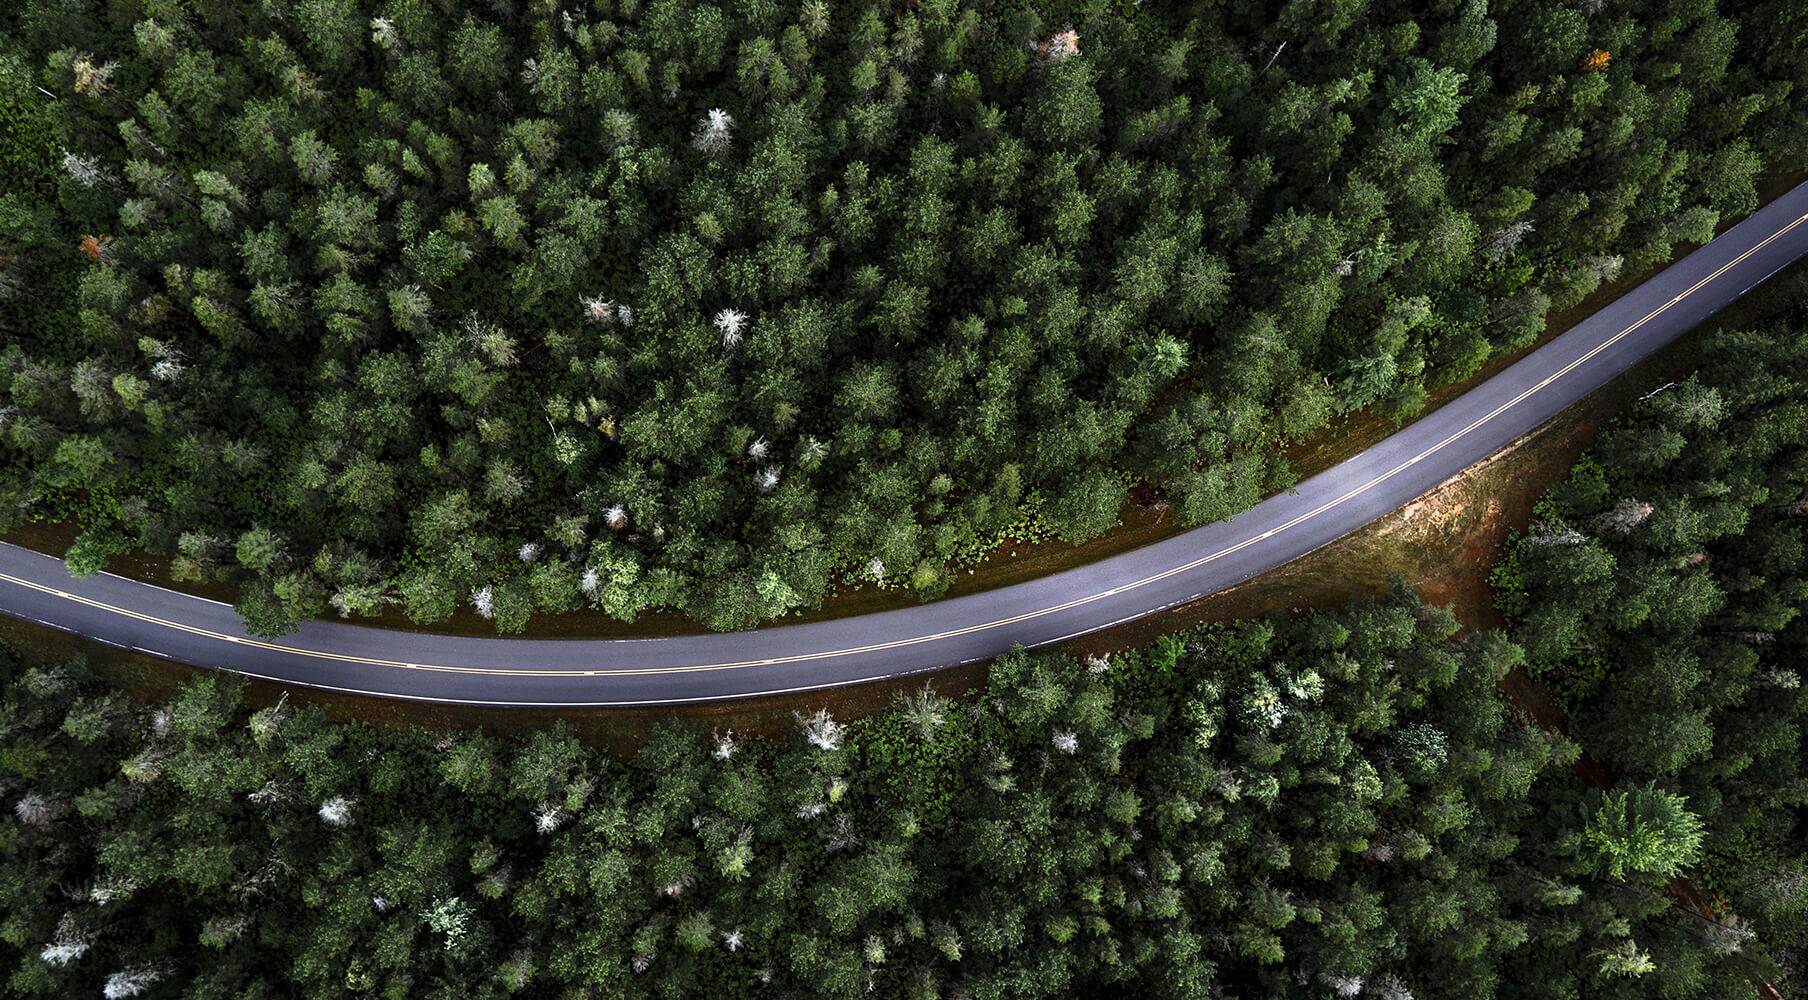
pixel 1297 520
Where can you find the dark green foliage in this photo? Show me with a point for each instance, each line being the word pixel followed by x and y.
pixel 38 265
pixel 1281 808
pixel 1660 598
pixel 27 131
pixel 421 288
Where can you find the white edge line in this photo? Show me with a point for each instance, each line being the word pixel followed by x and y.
pixel 124 579
pixel 801 688
pixel 638 703
pixel 178 593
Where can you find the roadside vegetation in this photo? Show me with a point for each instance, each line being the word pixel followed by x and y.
pixel 670 305
pixel 1659 599
pixel 1339 804
pixel 663 304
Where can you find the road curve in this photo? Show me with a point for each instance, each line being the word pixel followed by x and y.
pixel 598 673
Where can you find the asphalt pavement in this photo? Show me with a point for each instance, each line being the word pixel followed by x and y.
pixel 358 659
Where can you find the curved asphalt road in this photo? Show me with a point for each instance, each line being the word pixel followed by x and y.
pixel 594 673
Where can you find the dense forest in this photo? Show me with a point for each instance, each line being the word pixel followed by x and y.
pixel 667 304
pixel 1660 599
pixel 1337 806
pixel 1340 804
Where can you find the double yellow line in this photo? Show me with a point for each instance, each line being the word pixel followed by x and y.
pixel 950 633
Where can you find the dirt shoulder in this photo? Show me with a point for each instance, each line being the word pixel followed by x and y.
pixel 1139 524
pixel 1469 516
